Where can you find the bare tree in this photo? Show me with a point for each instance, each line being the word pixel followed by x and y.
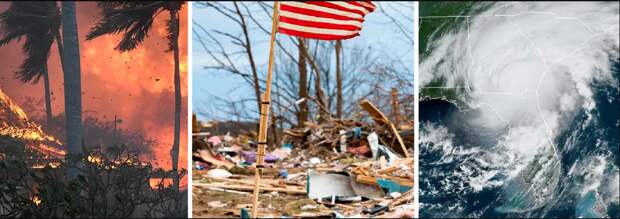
pixel 302 116
pixel 307 77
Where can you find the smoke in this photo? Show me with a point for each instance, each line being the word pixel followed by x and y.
pixel 135 86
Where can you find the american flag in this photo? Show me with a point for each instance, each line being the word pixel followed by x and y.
pixel 324 20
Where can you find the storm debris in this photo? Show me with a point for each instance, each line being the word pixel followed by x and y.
pixel 338 168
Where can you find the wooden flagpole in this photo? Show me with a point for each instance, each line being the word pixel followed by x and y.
pixel 264 113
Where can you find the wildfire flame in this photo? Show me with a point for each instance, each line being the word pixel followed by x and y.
pixel 36 200
pixel 154 183
pixel 15 124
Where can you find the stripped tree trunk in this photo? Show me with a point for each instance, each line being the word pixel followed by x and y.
pixel 338 81
pixel 72 86
pixel 317 84
pixel 302 117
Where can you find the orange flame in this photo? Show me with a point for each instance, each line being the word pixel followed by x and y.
pixel 137 86
pixel 15 124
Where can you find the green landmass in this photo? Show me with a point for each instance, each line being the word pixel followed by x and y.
pixel 432 29
pixel 454 95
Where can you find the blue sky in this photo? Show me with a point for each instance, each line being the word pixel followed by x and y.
pixel 378 32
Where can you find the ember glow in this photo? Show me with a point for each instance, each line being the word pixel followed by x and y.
pixel 155 182
pixel 135 86
pixel 15 124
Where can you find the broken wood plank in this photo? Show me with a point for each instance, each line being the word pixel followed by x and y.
pixel 250 188
pixel 264 182
pixel 227 190
pixel 206 156
pixel 366 179
pixel 381 119
pixel 405 197
pixel 373 180
pixel 395 107
pixel 198 134
pixel 389 169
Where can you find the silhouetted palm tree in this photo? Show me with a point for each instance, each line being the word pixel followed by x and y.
pixel 39 24
pixel 134 21
pixel 73 85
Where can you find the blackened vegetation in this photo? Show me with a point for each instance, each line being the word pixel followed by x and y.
pixel 111 183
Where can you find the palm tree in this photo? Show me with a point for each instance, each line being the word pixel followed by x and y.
pixel 73 85
pixel 39 24
pixel 134 21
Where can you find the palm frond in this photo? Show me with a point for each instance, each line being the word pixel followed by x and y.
pixel 172 25
pixel 38 24
pixel 132 19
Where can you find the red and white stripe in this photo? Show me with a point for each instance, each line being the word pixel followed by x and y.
pixel 325 20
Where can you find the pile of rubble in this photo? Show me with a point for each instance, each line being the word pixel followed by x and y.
pixel 339 168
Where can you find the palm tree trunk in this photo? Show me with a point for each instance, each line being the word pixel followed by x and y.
pixel 177 101
pixel 48 98
pixel 338 81
pixel 59 46
pixel 72 86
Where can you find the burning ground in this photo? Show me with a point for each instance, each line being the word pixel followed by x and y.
pixel 15 125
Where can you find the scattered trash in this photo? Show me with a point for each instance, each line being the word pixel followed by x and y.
pixel 392 186
pixel 282 152
pixel 245 214
pixel 402 214
pixel 250 157
pixel 227 137
pixel 218 173
pixel 305 208
pixel 324 185
pixel 339 168
pixel 376 209
pixel 395 194
pixel 216 204
pixel 315 160
pixel 215 140
pixel 199 165
pixel 283 173
pixel 379 150
pixel 309 207
pixel 366 190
